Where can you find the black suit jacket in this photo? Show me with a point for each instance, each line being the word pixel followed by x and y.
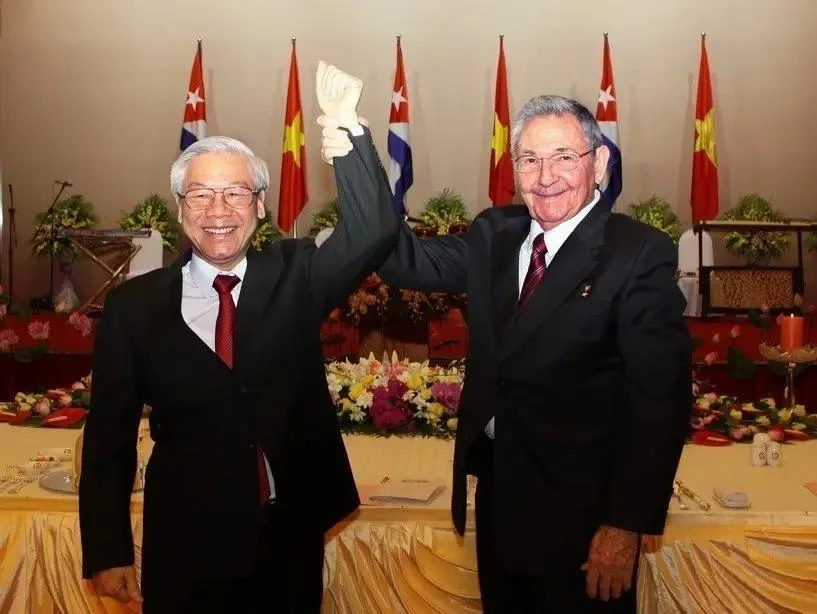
pixel 201 510
pixel 589 382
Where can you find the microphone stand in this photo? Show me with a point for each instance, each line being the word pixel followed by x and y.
pixel 52 211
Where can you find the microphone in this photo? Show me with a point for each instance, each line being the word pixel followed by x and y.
pixel 67 184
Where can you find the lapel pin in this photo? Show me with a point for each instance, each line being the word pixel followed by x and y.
pixel 586 290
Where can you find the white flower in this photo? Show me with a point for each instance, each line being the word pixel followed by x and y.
pixel 784 415
pixel 736 414
pixel 799 410
pixel 364 399
pixel 763 420
pixel 770 402
pixel 798 426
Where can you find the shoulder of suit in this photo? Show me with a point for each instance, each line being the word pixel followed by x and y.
pixel 499 216
pixel 621 225
pixel 285 248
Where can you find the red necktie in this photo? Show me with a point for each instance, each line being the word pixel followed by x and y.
pixel 536 269
pixel 225 326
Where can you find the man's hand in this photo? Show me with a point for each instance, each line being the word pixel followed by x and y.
pixel 334 141
pixel 338 94
pixel 119 583
pixel 610 562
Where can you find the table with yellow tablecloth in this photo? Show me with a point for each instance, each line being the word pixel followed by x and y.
pixel 408 559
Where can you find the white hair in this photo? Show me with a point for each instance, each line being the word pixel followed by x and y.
pixel 218 144
pixel 549 105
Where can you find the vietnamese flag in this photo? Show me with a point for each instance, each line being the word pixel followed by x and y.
pixel 704 200
pixel 292 194
pixel 500 182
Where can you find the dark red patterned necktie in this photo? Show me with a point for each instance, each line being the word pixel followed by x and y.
pixel 536 269
pixel 225 327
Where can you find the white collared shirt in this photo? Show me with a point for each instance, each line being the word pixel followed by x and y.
pixel 200 306
pixel 554 239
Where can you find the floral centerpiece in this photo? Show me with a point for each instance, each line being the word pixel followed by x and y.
pixel 59 407
pixel 266 232
pixel 74 213
pixel 756 246
pixel 444 214
pixel 395 397
pixel 152 213
pixel 656 212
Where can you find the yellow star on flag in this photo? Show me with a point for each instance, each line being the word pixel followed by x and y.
pixel 499 140
pixel 705 136
pixel 294 138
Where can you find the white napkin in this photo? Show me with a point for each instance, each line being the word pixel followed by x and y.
pixel 731 497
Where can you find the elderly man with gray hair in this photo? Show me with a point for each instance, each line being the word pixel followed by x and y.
pixel 248 470
pixel 577 392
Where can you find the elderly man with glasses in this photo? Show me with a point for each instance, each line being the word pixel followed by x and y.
pixel 248 469
pixel 577 391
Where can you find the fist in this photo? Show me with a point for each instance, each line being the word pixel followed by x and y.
pixel 119 583
pixel 338 94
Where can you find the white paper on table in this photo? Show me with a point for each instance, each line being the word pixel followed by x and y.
pixel 407 491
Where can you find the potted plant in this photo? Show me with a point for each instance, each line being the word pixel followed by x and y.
pixel 656 212
pixel 444 214
pixel 266 232
pixel 325 218
pixel 75 213
pixel 756 246
pixel 153 214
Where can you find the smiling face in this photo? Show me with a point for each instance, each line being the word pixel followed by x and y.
pixel 220 234
pixel 553 195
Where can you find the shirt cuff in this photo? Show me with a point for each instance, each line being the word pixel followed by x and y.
pixel 357 130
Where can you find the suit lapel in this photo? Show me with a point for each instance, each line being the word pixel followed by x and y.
pixel 573 263
pixel 505 269
pixel 263 272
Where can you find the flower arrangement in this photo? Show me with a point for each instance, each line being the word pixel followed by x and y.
pixel 444 214
pixel 75 213
pixel 59 407
pixel 756 246
pixel 152 213
pixel 720 419
pixel 395 397
pixel 369 301
pixel 656 212
pixel 266 232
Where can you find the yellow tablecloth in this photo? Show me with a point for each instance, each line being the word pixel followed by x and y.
pixel 408 559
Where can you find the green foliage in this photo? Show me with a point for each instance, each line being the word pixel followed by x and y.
pixel 152 213
pixel 326 218
pixel 75 213
pixel 444 210
pixel 756 246
pixel 656 212
pixel 266 232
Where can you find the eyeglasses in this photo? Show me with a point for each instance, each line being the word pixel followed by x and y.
pixel 561 162
pixel 236 197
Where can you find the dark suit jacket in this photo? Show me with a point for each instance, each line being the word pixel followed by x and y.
pixel 589 382
pixel 201 511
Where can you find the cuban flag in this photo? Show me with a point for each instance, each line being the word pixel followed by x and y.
pixel 401 174
pixel 195 117
pixel 607 116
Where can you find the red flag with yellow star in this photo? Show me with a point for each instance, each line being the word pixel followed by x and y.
pixel 500 183
pixel 704 199
pixel 292 194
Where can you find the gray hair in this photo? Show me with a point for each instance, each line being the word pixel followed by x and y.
pixel 549 105
pixel 218 144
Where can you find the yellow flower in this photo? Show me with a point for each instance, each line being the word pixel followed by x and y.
pixel 798 426
pixel 799 411
pixel 347 405
pixel 436 409
pixel 763 420
pixel 452 424
pixel 784 415
pixel 425 394
pixel 367 380
pixel 736 414
pixel 703 403
pixel 355 390
pixel 415 382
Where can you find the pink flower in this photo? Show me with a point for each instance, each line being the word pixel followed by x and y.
pixel 709 419
pixel 711 357
pixel 8 338
pixel 43 407
pixel 77 386
pixel 447 393
pixel 65 400
pixel 80 322
pixel 734 332
pixel 737 433
pixel 39 330
pixel 388 409
pixel 716 338
pixel 711 397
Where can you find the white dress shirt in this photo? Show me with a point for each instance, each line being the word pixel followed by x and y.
pixel 554 239
pixel 200 307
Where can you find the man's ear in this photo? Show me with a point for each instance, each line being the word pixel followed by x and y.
pixel 600 163
pixel 261 209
